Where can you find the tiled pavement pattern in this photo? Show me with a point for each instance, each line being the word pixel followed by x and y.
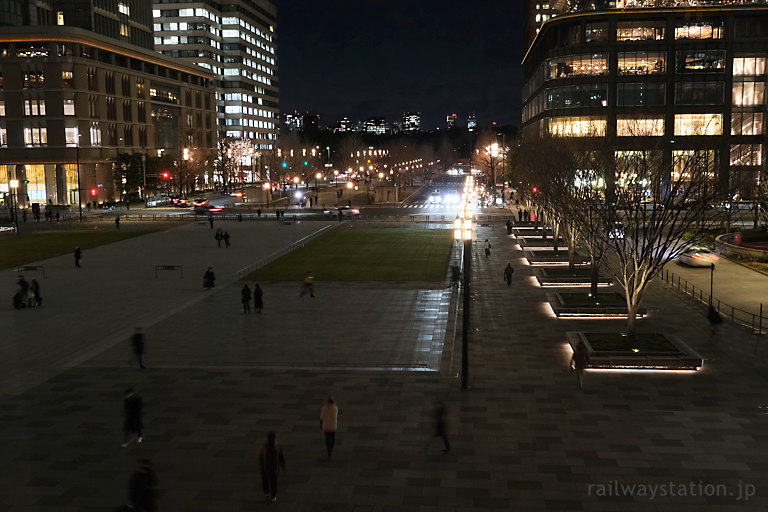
pixel 524 437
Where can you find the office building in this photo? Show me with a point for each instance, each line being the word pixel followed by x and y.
pixel 450 121
pixel 236 41
pixel 411 122
pixel 537 12
pixel 376 126
pixel 687 81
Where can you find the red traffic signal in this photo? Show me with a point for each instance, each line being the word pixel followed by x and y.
pixel 94 191
pixel 166 175
pixel 535 190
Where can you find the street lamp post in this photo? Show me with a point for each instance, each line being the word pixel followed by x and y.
pixel 463 230
pixel 79 194
pixel 711 282
pixel 14 201
pixel 349 186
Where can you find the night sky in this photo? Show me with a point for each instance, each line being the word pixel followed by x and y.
pixel 380 58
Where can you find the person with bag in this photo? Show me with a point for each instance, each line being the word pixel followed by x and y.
pixel 209 278
pixel 271 459
pixel 579 360
pixel 487 247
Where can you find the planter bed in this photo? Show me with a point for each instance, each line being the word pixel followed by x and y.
pixel 527 241
pixel 548 258
pixel 579 305
pixel 562 276
pixel 651 351
pixel 529 231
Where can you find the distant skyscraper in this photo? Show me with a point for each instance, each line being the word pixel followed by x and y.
pixel 129 21
pixel 293 122
pixel 376 126
pixel 237 41
pixel 450 121
pixel 344 125
pixel 411 122
pixel 471 121
pixel 536 13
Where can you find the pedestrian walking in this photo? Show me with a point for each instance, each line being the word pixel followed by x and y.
pixel 137 342
pixel 24 215
pixel 455 275
pixel 117 222
pixel 258 212
pixel 219 236
pixel 508 270
pixel 271 459
pixel 579 360
pixel 226 240
pixel 78 256
pixel 58 216
pixel 257 295
pixel 487 248
pixel 441 426
pixel 245 298
pixel 714 321
pixel 526 216
pixel 329 416
pixel 309 285
pixel 142 488
pixel 209 279
pixel 239 217
pixel 509 227
pixel 210 220
pixel 35 288
pixel 132 406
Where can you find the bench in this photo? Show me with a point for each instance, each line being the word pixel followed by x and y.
pixel 170 267
pixel 31 268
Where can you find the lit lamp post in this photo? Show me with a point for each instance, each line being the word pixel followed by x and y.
pixel 15 200
pixel 493 152
pixel 349 186
pixel 463 231
pixel 336 177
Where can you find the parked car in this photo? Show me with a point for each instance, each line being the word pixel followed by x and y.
pixel 698 257
pixel 345 211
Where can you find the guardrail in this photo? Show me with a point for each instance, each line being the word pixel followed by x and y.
pixel 755 321
pixel 282 252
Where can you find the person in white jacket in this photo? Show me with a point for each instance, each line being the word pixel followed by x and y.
pixel 329 415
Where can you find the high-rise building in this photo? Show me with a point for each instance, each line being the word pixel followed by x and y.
pixel 376 126
pixel 681 82
pixel 129 21
pixel 471 121
pixel 236 41
pixel 450 121
pixel 537 12
pixel 411 122
pixel 344 125
pixel 293 122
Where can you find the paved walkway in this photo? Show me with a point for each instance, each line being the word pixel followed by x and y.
pixel 523 438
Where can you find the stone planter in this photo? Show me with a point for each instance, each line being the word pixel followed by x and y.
pixel 682 358
pixel 563 309
pixel 724 244
pixel 547 277
pixel 548 258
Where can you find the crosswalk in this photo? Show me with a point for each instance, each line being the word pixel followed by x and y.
pixel 430 206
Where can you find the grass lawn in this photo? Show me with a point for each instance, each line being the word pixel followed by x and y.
pixel 584 299
pixel 366 254
pixel 617 342
pixel 564 272
pixel 757 265
pixel 25 248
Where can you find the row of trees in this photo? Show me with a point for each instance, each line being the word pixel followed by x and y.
pixel 630 210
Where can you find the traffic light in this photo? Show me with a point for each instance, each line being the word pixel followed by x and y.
pixel 285 165
pixel 305 162
pixel 166 175
pixel 26 181
pixel 94 191
pixel 535 190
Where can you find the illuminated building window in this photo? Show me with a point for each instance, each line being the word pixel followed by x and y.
pixel 33 80
pixel 123 8
pixel 66 78
pixel 640 94
pixel 748 66
pixel 692 61
pixel 585 95
pixel 632 126
pixel 59 17
pixel 69 107
pixel 124 31
pixel 31 52
pixel 747 123
pixel 34 107
pixel 70 136
pixel 639 31
pixel 95 133
pixel 3 137
pixel 746 154
pixel 699 93
pixel 691 162
pixel 578 65
pixel 641 63
pixel 35 136
pixel 596 32
pixel 583 126
pixel 2 108
pixel 699 31
pixel 748 93
pixel 698 124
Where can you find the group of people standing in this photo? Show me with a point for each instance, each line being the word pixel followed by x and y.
pixel 28 294
pixel 222 236
pixel 257 294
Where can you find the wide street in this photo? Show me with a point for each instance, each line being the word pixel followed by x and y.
pixel 523 437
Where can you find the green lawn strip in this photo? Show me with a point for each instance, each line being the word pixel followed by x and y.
pixel 757 265
pixel 617 342
pixel 565 272
pixel 584 299
pixel 366 254
pixel 25 248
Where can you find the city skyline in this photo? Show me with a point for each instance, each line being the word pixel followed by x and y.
pixel 421 58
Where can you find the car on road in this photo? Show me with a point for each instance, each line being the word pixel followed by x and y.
pixel 698 257
pixel 179 202
pixel 344 211
pixel 435 197
pixel 206 209
pixel 200 202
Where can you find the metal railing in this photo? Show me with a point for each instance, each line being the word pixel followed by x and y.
pixel 282 252
pixel 755 321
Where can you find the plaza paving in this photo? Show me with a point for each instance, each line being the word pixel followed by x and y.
pixel 523 438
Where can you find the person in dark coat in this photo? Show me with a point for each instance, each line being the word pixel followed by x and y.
pixel 579 361
pixel 35 288
pixel 132 406
pixel 78 256
pixel 508 270
pixel 219 236
pixel 137 341
pixel 520 215
pixel 245 298
pixel 257 301
pixel 209 279
pixel 117 221
pixel 441 427
pixel 210 220
pixel 226 239
pixel 509 227
pixel 271 459
pixel 142 488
